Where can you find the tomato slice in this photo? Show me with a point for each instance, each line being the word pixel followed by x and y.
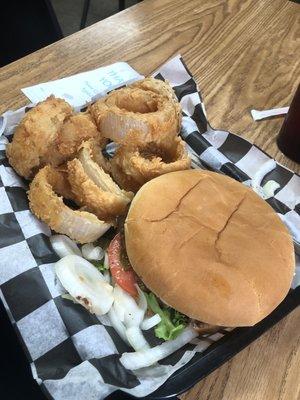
pixel 125 278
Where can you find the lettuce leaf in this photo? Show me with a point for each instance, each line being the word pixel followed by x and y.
pixel 172 322
pixel 99 265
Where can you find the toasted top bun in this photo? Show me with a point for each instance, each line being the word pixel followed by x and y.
pixel 209 247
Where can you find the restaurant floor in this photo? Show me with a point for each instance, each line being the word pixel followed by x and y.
pixel 69 12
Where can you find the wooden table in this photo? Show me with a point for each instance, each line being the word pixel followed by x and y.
pixel 244 54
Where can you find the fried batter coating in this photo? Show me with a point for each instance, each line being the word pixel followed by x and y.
pixel 94 150
pixel 34 140
pixel 81 226
pixel 62 184
pixel 93 187
pixel 76 129
pixel 157 86
pixel 149 107
pixel 136 162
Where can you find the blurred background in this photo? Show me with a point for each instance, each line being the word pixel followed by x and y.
pixel 27 26
pixel 69 12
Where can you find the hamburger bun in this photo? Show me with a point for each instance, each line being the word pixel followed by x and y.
pixel 209 247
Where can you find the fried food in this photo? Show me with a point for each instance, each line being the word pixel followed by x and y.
pixel 62 185
pixel 63 150
pixel 156 86
pixel 48 206
pixel 137 162
pixel 76 129
pixel 95 151
pixel 49 134
pixel 34 141
pixel 149 107
pixel 93 187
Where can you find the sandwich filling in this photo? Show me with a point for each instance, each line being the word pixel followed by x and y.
pixel 172 322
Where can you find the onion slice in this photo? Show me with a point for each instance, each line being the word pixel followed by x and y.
pixel 142 302
pixel 117 324
pixel 85 283
pixel 269 189
pixel 48 206
pixel 267 167
pixel 150 322
pixel 126 316
pixel 133 315
pixel 64 246
pixel 91 252
pixel 147 357
pixel 136 339
pixel 107 276
pixel 105 262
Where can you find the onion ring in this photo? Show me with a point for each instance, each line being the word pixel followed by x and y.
pixel 93 187
pixel 95 151
pixel 80 226
pixel 34 140
pixel 137 162
pixel 157 86
pixel 148 106
pixel 76 129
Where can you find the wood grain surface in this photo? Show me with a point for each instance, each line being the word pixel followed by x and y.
pixel 268 369
pixel 244 55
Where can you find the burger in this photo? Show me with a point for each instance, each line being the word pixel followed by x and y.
pixel 209 248
pixel 197 251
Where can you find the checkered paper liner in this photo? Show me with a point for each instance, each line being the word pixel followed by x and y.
pixel 73 354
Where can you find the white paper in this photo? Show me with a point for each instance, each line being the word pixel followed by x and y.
pixel 86 86
pixel 257 114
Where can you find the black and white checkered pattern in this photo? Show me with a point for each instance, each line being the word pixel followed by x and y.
pixel 73 354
